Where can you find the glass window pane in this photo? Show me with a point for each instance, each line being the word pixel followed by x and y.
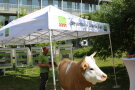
pixel 64 4
pixel 29 2
pixel 6 1
pixel 50 2
pixel 45 3
pixel 83 6
pixel 59 4
pixel 73 5
pixel 86 6
pixel 24 2
pixel 69 4
pixel 55 3
pixel 35 2
pixel 12 18
pixel 77 5
pixel 1 1
pixel 13 1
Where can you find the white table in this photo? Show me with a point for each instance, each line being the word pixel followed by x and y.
pixel 130 65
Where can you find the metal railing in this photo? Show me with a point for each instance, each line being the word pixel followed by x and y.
pixel 13 8
pixel 7 7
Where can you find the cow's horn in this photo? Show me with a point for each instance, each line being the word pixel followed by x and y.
pixel 93 54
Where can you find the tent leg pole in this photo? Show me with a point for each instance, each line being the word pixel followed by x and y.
pixel 114 70
pixel 53 71
pixel 77 40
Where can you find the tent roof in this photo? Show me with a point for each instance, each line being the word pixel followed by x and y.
pixel 34 28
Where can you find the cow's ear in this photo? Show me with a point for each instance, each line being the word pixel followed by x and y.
pixel 84 65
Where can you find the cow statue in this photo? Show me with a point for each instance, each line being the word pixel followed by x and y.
pixel 79 75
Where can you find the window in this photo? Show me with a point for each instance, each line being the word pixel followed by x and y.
pixel 64 4
pixel 55 3
pixel 23 2
pixel 45 3
pixel 1 1
pixel 13 1
pixel 35 2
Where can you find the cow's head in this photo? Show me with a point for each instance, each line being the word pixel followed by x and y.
pixel 91 71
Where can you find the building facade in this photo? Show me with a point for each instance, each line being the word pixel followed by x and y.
pixel 9 9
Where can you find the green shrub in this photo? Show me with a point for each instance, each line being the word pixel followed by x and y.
pixel 83 52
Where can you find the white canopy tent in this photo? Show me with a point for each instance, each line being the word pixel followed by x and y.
pixel 47 25
pixel 35 27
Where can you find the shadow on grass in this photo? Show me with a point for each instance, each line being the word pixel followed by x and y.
pixel 17 82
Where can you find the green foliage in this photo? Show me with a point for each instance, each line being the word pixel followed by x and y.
pixel 2 21
pixel 48 44
pixel 11 46
pixel 96 16
pixel 42 44
pixel 120 15
pixel 82 52
pixel 22 12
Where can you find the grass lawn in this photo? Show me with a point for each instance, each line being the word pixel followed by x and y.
pixel 28 79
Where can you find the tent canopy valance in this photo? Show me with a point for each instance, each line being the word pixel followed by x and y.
pixel 34 28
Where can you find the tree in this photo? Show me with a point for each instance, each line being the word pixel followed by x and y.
pixel 22 12
pixel 120 15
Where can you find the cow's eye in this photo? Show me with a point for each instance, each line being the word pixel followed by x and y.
pixel 91 69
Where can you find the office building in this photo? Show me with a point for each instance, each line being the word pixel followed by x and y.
pixel 9 9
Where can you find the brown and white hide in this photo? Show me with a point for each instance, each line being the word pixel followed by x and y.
pixel 79 75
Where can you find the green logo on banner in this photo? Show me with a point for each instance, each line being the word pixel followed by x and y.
pixel 7 32
pixel 62 21
pixel 105 27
